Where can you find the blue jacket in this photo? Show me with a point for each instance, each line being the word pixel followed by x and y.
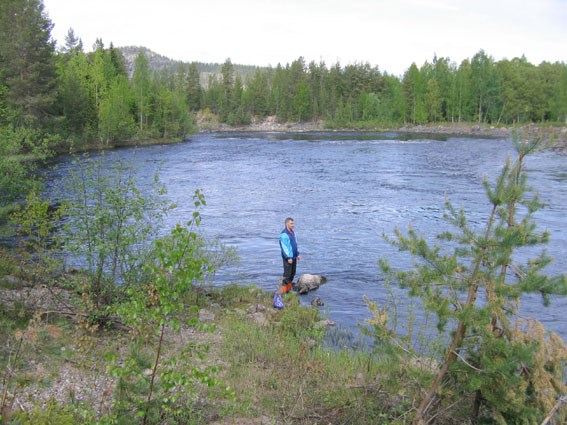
pixel 288 245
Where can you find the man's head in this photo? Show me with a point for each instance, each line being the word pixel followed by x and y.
pixel 289 223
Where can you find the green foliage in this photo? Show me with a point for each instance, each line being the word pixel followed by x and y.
pixel 302 102
pixel 52 413
pixel 299 321
pixel 170 117
pixel 358 95
pixel 239 117
pixel 414 90
pixel 74 100
pixel 155 305
pixel 20 152
pixel 491 354
pixel 116 122
pixel 141 86
pixel 8 266
pixel 194 89
pixel 109 225
pixel 177 262
pixel 36 224
pixel 98 103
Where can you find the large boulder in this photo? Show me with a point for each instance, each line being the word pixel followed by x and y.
pixel 309 282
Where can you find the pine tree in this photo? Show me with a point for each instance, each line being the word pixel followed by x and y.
pixel 507 368
pixel 281 94
pixel 117 60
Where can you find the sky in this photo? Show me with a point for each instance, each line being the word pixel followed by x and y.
pixel 389 34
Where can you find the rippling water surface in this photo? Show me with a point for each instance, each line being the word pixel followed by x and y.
pixel 344 191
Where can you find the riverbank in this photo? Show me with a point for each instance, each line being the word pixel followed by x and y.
pixel 226 352
pixel 558 135
pixel 271 124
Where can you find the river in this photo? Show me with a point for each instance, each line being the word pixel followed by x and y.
pixel 344 191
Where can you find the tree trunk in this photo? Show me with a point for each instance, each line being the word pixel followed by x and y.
pixel 426 402
pixel 421 415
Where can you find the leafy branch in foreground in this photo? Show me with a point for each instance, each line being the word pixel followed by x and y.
pixel 179 261
pixel 495 365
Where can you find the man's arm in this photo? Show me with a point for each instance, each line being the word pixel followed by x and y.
pixel 285 244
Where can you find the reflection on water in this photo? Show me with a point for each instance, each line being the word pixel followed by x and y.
pixel 344 190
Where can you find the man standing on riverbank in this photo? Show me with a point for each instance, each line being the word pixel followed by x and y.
pixel 290 254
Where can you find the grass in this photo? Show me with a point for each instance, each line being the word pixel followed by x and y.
pixel 250 364
pixel 288 373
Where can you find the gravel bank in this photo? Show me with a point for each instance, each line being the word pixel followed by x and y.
pixel 556 134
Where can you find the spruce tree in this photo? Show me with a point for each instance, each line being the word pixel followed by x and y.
pixel 228 78
pixel 194 89
pixel 72 43
pixel 27 59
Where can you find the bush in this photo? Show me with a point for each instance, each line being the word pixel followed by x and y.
pixel 109 224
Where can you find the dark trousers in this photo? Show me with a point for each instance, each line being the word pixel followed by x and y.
pixel 288 271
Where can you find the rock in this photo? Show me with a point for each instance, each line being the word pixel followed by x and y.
pixel 325 324
pixel 309 282
pixel 256 308
pixel 260 319
pixel 317 302
pixel 206 315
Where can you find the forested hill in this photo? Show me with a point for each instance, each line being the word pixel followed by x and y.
pixel 159 62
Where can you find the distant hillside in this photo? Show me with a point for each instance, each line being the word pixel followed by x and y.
pixel 159 62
